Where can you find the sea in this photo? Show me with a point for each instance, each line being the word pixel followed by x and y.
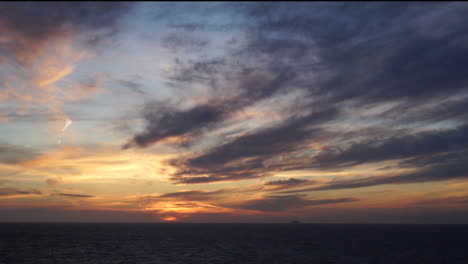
pixel 232 243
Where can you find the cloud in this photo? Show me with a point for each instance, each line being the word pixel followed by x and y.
pixel 53 181
pixel 194 195
pixel 353 84
pixel 11 154
pixel 28 27
pixel 432 111
pixel 51 157
pixel 13 191
pixel 290 183
pixel 227 200
pixel 332 60
pixel 438 170
pixel 279 139
pixel 245 156
pixel 36 85
pixel 41 46
pixel 244 88
pixel 397 147
pixel 394 53
pixel 284 203
pixel 44 214
pixel 183 42
pixel 192 200
pixel 450 200
pixel 165 122
pixel 133 86
pixel 184 202
pixel 74 195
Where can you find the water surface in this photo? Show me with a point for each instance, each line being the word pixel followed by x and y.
pixel 232 243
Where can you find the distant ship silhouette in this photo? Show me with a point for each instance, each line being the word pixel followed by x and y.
pixel 295 222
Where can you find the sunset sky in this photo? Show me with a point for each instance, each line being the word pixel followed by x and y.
pixel 234 112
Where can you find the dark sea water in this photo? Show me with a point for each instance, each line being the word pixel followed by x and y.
pixel 232 243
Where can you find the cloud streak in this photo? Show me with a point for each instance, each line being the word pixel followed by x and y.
pixel 74 195
pixel 7 192
pixel 29 26
pixel 390 57
pixel 245 156
pixel 164 122
pixel 287 202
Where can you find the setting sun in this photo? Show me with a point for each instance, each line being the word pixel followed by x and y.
pixel 169 218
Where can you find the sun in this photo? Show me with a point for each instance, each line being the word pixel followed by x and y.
pixel 169 218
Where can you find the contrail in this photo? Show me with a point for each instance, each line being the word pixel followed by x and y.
pixel 67 124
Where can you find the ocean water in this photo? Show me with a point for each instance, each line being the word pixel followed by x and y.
pixel 232 243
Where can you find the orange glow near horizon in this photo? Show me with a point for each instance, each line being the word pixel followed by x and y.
pixel 169 218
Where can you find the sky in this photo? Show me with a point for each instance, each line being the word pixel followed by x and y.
pixel 322 112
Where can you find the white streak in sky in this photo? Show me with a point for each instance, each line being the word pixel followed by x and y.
pixel 67 124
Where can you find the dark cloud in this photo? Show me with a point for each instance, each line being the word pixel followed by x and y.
pixel 192 26
pixel 288 182
pixel 453 109
pixel 434 159
pixel 7 191
pixel 75 195
pixel 42 214
pixel 349 57
pixel 366 53
pixel 245 156
pixel 284 203
pixel 438 170
pixel 193 195
pixel 53 181
pixel 163 121
pixel 269 203
pixel 133 86
pixel 392 53
pixel 234 85
pixel 184 42
pixel 184 198
pixel 398 147
pixel 12 154
pixel 191 16
pixel 454 200
pixel 281 139
pixel 29 26
pixel 202 71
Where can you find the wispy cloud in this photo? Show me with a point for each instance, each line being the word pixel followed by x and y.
pixel 342 68
pixel 12 192
pixel 283 203
pixel 75 195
